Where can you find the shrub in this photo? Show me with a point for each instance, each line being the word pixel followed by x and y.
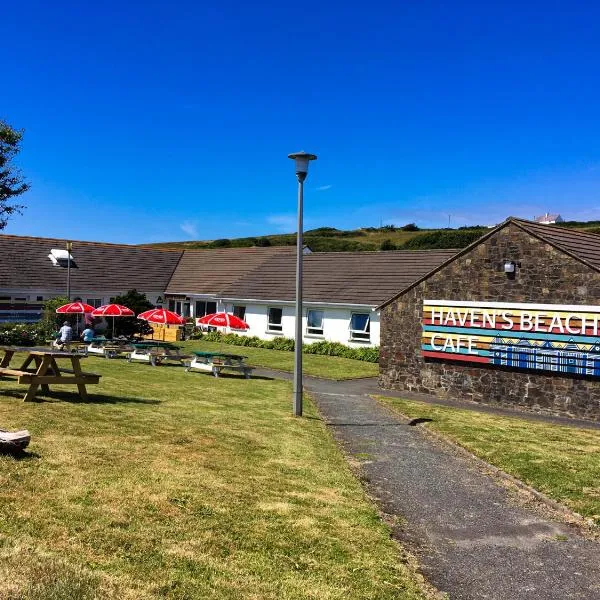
pixel 387 245
pixel 449 238
pixel 367 354
pixel 26 334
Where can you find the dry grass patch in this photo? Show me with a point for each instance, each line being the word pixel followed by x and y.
pixel 178 485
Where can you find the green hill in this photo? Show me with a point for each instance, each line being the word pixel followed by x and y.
pixel 388 237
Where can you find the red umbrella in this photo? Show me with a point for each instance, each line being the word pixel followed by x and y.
pixel 113 310
pixel 223 319
pixel 75 308
pixel 161 315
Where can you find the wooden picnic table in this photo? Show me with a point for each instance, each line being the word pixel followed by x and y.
pixel 215 362
pixel 155 352
pixel 46 370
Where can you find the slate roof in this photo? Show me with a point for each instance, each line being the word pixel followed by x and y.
pixel 364 278
pixel 210 271
pixel 24 264
pixel 581 245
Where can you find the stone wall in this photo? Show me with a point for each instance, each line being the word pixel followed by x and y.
pixel 546 275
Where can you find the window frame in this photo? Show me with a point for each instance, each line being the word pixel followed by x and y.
pixel 315 331
pixel 239 311
pixel 274 327
pixel 360 335
pixel 95 302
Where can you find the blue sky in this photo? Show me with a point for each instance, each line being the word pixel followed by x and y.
pixel 151 121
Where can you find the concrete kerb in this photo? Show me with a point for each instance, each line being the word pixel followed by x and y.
pixel 559 511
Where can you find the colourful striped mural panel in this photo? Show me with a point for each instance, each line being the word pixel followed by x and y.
pixel 551 337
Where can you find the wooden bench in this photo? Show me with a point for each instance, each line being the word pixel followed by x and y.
pixel 46 371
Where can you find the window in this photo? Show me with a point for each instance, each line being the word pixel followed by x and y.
pixel 239 312
pixel 39 298
pixel 204 307
pixel 62 258
pixel 360 327
pixel 274 319
pixel 95 302
pixel 314 322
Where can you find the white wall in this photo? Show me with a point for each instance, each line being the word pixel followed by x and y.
pixel 336 323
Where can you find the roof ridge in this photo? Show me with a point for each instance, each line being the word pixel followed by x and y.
pixel 553 227
pixel 73 241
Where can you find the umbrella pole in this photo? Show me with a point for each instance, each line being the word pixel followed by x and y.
pixel 113 337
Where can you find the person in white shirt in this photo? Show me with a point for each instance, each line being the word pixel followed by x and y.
pixel 65 335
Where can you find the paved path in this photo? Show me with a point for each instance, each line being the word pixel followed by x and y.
pixel 472 539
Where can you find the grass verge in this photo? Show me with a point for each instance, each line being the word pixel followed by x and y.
pixel 330 367
pixel 562 462
pixel 169 484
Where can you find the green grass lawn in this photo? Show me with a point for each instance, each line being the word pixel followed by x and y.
pixel 562 462
pixel 169 484
pixel 330 367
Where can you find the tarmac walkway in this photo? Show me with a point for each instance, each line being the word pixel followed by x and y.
pixel 472 538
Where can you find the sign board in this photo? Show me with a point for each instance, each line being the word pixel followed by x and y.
pixel 550 337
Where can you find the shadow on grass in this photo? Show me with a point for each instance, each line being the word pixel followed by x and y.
pixel 235 376
pixel 73 397
pixel 18 454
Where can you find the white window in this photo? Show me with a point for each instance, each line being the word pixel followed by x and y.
pixel 239 312
pixel 314 322
pixel 62 258
pixel 274 319
pixel 95 302
pixel 360 327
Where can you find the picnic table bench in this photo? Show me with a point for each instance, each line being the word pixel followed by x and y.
pixel 215 362
pixel 46 370
pixel 109 348
pixel 156 353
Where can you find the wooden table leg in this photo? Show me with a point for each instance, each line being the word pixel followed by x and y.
pixel 8 354
pixel 43 367
pixel 77 371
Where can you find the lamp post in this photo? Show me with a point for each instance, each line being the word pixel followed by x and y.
pixel 69 248
pixel 301 159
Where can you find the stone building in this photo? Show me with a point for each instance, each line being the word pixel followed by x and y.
pixel 513 320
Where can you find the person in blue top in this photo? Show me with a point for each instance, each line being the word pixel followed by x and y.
pixel 88 334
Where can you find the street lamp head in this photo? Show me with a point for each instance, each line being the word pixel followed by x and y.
pixel 301 159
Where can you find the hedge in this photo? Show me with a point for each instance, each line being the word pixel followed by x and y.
pixel 367 354
pixel 24 334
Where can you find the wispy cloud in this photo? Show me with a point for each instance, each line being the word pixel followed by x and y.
pixel 322 188
pixel 190 228
pixel 284 223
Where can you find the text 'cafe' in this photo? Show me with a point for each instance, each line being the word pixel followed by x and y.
pixel 512 320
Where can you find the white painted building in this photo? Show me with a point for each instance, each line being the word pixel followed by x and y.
pixel 341 289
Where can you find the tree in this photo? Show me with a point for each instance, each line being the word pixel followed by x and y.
pixel 129 326
pixel 410 227
pixel 12 183
pixel 49 316
pixel 387 245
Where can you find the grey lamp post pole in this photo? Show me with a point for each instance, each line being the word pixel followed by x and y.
pixel 301 159
pixel 69 248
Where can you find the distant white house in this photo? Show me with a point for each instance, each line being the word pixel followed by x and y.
pixel 549 219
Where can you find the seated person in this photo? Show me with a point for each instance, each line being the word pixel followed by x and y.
pixel 88 334
pixel 64 336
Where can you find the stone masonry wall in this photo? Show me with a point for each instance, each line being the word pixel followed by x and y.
pixel 546 276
